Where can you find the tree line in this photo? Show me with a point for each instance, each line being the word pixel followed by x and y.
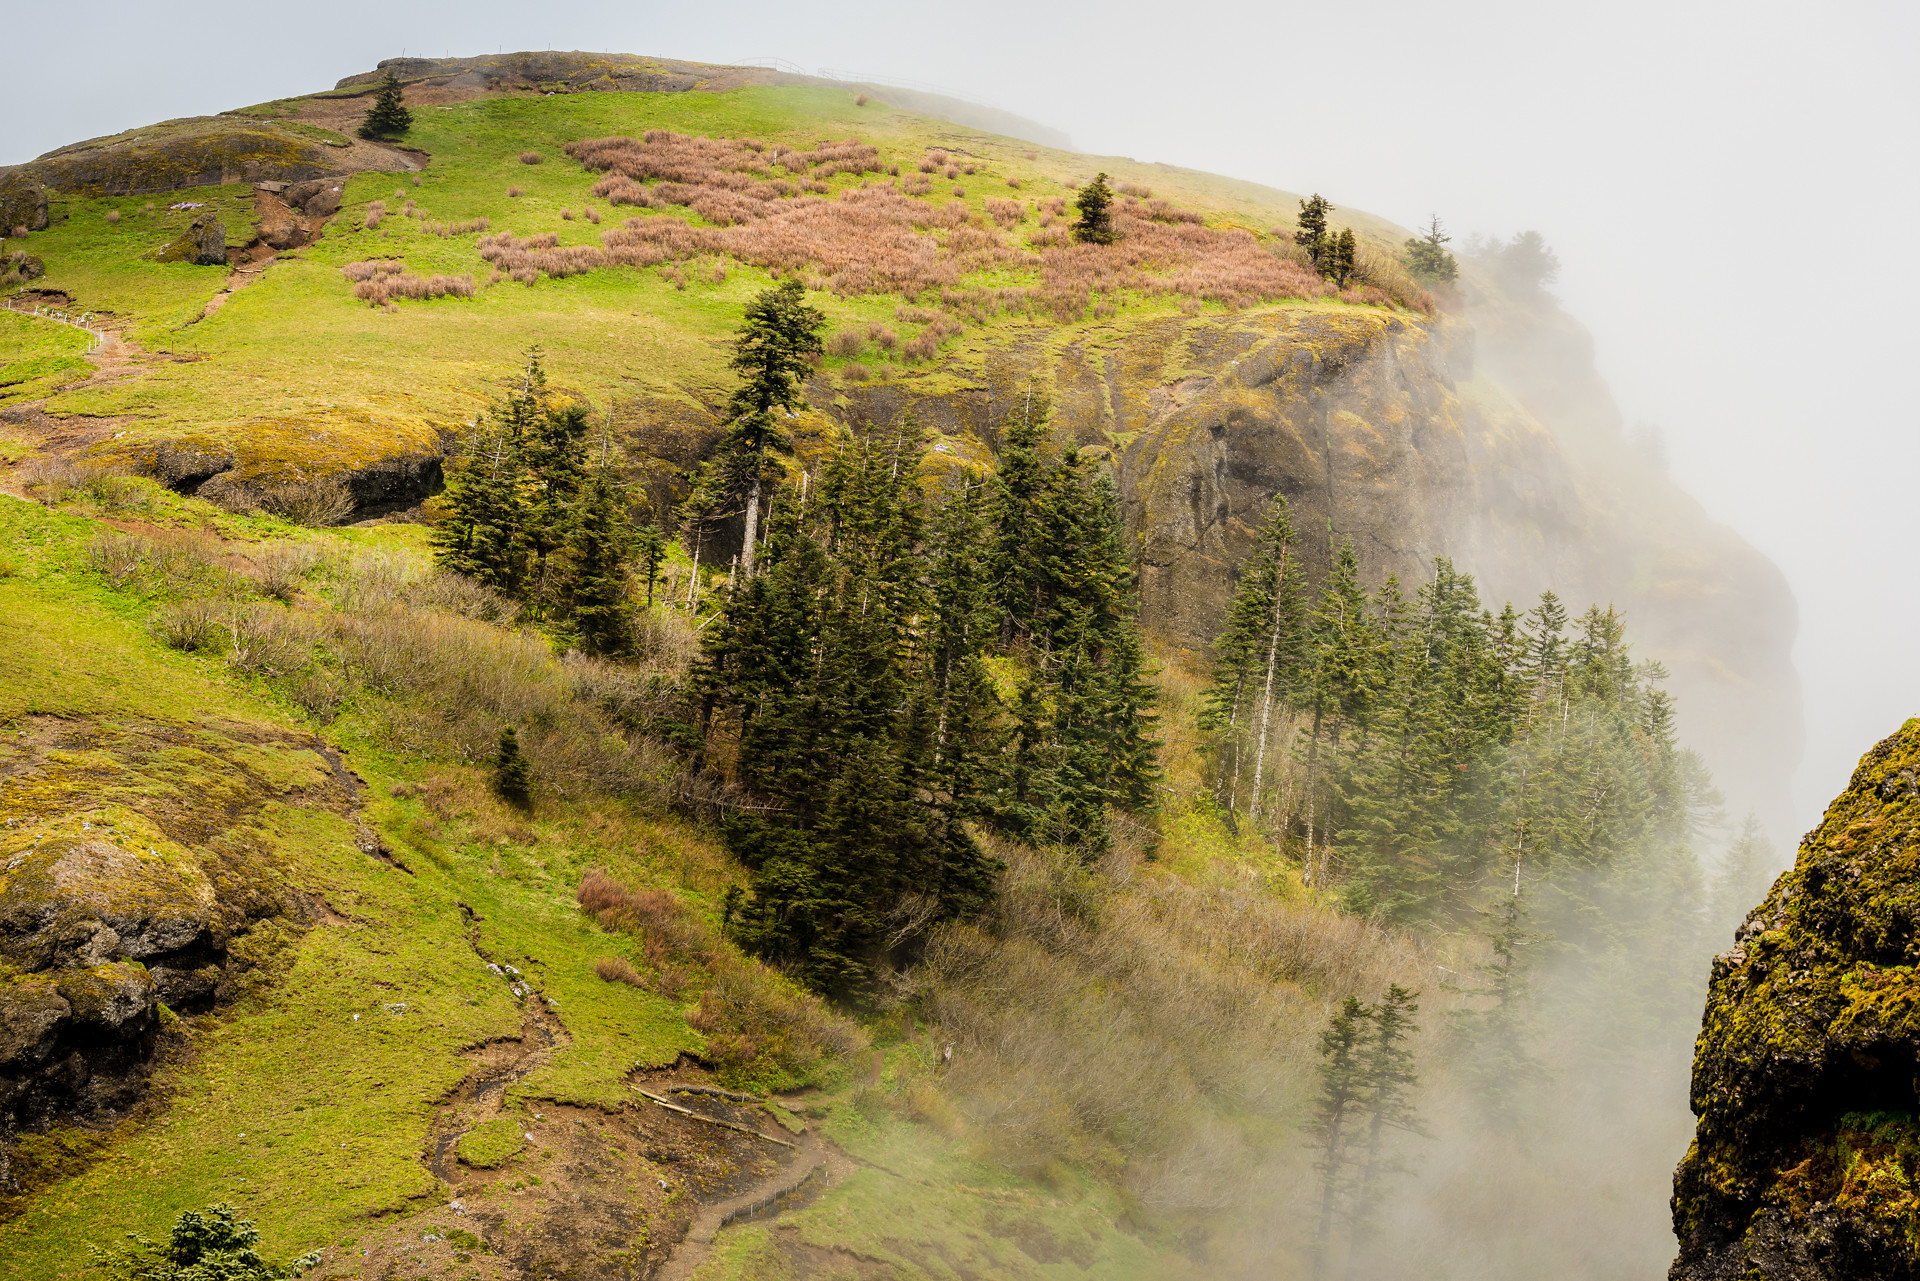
pixel 904 664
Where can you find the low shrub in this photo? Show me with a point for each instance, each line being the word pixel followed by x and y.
pixel 514 192
pixel 856 373
pixel 191 625
pixel 847 342
pixel 530 157
pixel 113 215
pixel 618 969
pixel 315 503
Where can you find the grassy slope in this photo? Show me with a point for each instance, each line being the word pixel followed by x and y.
pixel 37 356
pixel 316 376
pixel 310 1119
pixel 315 1122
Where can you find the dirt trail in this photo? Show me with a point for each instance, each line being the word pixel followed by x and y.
pixel 816 1166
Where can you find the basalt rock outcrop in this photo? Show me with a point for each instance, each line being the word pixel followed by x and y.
pixel 1485 437
pixel 1805 1161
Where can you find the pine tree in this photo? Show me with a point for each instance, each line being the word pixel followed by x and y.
pixel 1258 655
pixel 591 574
pixel 649 553
pixel 1747 872
pixel 1499 1064
pixel 1340 259
pixel 1336 1117
pixel 512 777
pixel 1387 1080
pixel 779 337
pixel 1312 232
pixel 1427 257
pixel 389 117
pixel 1094 226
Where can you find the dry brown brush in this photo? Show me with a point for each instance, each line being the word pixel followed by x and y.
pixel 1117 1015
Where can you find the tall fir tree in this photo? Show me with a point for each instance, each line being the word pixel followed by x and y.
pixel 778 340
pixel 591 578
pixel 1388 1078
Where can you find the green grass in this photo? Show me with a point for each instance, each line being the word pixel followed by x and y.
pixel 491 1144
pixel 37 356
pixel 294 372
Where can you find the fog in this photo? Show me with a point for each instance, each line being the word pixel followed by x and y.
pixel 1728 191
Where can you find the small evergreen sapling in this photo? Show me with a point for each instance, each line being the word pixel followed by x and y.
pixel 512 778
pixel 211 1245
pixel 1095 203
pixel 389 117
pixel 1312 232
pixel 1427 256
pixel 649 553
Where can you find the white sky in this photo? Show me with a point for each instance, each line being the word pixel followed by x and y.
pixel 1730 187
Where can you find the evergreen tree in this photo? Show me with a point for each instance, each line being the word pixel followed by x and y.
pixel 820 678
pixel 649 553
pixel 1258 656
pixel 1094 226
pixel 211 1245
pixel 1312 232
pixel 1499 1063
pixel 591 576
pixel 512 777
pixel 1336 1116
pixel 1339 261
pixel 779 338
pixel 389 117
pixel 1427 257
pixel 1385 1066
pixel 1747 872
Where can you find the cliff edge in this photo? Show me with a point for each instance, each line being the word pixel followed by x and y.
pixel 1808 1143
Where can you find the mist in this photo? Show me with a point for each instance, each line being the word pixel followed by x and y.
pixel 1729 197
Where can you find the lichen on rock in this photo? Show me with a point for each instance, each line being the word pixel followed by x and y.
pixel 1804 1079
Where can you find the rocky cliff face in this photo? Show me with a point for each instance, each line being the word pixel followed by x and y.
pixel 1804 1081
pixel 1487 437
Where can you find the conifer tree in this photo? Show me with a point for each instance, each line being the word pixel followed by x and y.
pixel 1336 1116
pixel 1747 872
pixel 1340 258
pixel 779 337
pixel 591 581
pixel 1312 232
pixel 1499 1064
pixel 512 777
pixel 649 553
pixel 1427 257
pixel 1094 226
pixel 1258 656
pixel 1387 1080
pixel 389 117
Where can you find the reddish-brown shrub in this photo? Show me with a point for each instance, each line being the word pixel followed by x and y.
pixel 1005 212
pixel 656 916
pixel 856 373
pixel 1014 183
pixel 1133 189
pixel 618 969
pixel 960 192
pixel 860 100
pixel 113 215
pixel 566 215
pixel 375 212
pixel 847 342
pixel 513 191
pixel 530 157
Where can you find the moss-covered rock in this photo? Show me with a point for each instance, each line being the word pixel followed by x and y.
pixel 1804 1078
pixel 204 243
pixel 110 996
pixel 31 1008
pixel 23 201
pixel 87 901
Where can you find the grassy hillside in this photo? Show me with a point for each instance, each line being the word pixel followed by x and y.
pixel 292 370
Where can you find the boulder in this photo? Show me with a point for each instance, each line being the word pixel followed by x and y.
pixel 317 197
pixel 1804 1073
pixel 204 243
pixel 23 202
pixel 178 987
pixel 31 1010
pixel 113 997
pixel 87 901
